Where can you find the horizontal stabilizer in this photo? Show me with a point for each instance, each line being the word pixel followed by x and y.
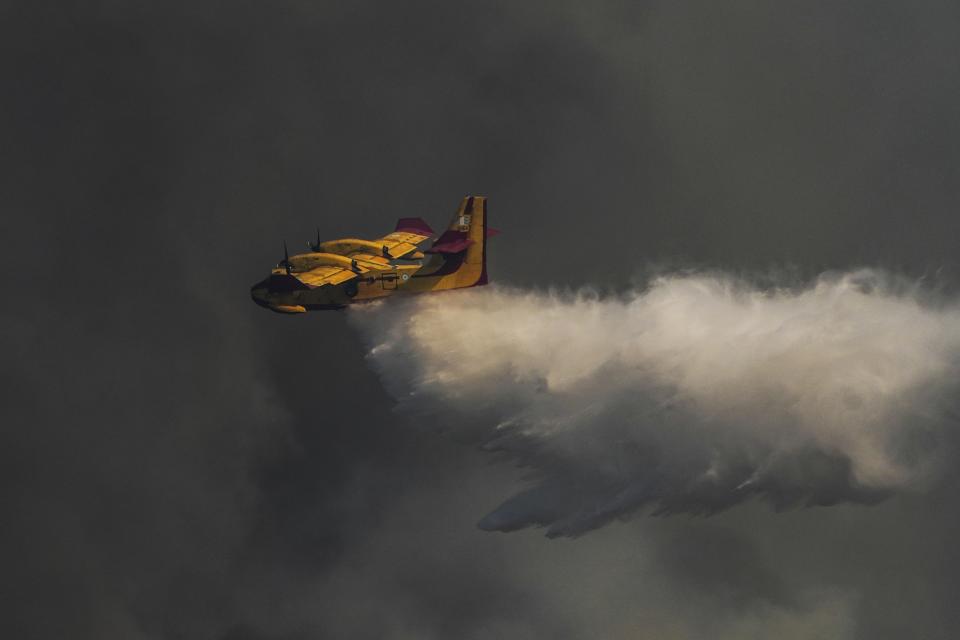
pixel 414 225
pixel 450 246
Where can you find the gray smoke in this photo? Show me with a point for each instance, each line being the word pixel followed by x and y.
pixel 693 395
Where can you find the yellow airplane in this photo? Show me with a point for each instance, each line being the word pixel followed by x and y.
pixel 341 272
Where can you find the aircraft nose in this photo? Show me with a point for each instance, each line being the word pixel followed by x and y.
pixel 259 293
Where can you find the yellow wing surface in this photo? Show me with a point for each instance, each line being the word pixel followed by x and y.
pixel 337 261
pixel 320 276
pixel 378 253
pixel 400 243
pixel 317 269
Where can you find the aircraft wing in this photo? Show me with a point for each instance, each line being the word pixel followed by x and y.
pixel 409 233
pixel 370 261
pixel 325 274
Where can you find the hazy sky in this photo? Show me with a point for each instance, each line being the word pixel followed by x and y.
pixel 179 463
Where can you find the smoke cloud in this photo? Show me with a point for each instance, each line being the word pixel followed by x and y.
pixel 695 394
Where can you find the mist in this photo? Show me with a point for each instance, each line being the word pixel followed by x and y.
pixel 692 395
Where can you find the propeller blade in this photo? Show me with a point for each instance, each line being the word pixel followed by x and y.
pixel 286 258
pixel 315 247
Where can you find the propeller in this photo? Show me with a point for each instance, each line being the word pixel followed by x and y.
pixel 286 258
pixel 315 247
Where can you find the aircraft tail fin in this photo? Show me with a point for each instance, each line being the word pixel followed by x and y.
pixel 459 256
pixel 464 242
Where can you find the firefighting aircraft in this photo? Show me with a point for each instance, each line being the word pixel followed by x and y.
pixel 337 273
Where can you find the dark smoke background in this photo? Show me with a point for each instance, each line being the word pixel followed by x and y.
pixel 178 463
